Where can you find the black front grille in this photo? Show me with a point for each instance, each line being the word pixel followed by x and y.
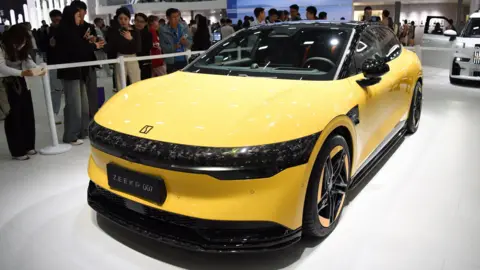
pixel 191 233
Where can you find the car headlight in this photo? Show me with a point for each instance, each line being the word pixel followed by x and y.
pixel 462 59
pixel 284 154
pixel 226 163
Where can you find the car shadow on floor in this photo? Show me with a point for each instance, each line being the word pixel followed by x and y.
pixel 196 260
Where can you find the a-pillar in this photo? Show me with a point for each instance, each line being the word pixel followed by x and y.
pixel 398 8
pixel 459 13
pixel 474 6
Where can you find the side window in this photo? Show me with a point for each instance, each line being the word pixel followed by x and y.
pixel 388 43
pixel 367 47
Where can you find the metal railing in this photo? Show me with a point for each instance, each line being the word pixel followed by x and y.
pixel 57 148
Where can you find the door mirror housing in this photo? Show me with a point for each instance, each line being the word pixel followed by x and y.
pixel 450 33
pixel 373 70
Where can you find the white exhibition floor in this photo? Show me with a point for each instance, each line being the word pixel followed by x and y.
pixel 419 212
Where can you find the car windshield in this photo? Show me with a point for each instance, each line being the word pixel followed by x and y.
pixel 472 29
pixel 284 51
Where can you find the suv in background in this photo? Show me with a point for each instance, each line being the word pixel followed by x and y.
pixel 434 33
pixel 466 58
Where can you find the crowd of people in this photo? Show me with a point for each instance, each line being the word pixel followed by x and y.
pixel 70 39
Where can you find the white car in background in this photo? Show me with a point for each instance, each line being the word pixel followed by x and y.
pixel 465 59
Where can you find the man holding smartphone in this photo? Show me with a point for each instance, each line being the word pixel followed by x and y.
pixel 89 73
pixel 174 38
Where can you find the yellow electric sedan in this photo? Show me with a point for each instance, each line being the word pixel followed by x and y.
pixel 257 142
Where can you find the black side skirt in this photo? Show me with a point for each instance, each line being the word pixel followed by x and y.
pixel 361 175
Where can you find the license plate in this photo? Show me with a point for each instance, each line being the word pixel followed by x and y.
pixel 143 186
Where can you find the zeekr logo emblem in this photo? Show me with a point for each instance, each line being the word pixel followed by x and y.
pixel 146 129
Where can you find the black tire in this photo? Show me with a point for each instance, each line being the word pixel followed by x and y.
pixel 313 214
pixel 455 81
pixel 415 111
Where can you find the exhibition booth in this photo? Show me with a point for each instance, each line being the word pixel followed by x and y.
pixel 295 145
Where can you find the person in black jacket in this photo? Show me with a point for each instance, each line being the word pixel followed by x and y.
pixel 147 43
pixel 89 73
pixel 52 59
pixel 114 27
pixel 125 42
pixel 201 39
pixel 72 48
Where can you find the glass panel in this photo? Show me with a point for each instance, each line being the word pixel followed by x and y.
pixel 282 51
pixel 472 29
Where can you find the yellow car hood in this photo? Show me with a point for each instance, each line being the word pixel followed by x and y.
pixel 227 111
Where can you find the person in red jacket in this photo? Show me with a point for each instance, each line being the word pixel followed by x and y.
pixel 159 67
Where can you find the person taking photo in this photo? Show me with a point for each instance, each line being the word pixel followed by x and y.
pixel 126 42
pixel 15 65
pixel 159 67
pixel 141 21
pixel 174 38
pixel 73 48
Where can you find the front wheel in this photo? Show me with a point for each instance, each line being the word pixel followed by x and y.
pixel 415 109
pixel 327 188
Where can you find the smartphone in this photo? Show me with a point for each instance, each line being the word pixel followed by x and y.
pixel 217 36
pixel 123 29
pixel 87 33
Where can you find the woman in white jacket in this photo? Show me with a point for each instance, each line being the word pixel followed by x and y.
pixel 15 64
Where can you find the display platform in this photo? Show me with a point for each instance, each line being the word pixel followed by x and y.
pixel 418 211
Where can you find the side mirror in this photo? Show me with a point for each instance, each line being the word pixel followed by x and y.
pixel 451 33
pixel 373 70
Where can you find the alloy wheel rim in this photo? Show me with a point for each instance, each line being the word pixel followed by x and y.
pixel 333 186
pixel 417 106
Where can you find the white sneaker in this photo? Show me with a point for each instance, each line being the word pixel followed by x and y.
pixel 77 142
pixel 58 121
pixel 22 158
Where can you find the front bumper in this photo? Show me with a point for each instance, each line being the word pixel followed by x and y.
pixel 191 233
pixel 463 67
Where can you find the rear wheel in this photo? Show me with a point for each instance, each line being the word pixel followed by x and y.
pixel 327 188
pixel 415 109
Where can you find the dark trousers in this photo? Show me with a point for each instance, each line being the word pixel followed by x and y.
pixel 113 77
pixel 20 122
pixel 92 91
pixel 175 66
pixel 145 70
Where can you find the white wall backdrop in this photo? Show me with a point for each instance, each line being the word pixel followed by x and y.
pixel 37 10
